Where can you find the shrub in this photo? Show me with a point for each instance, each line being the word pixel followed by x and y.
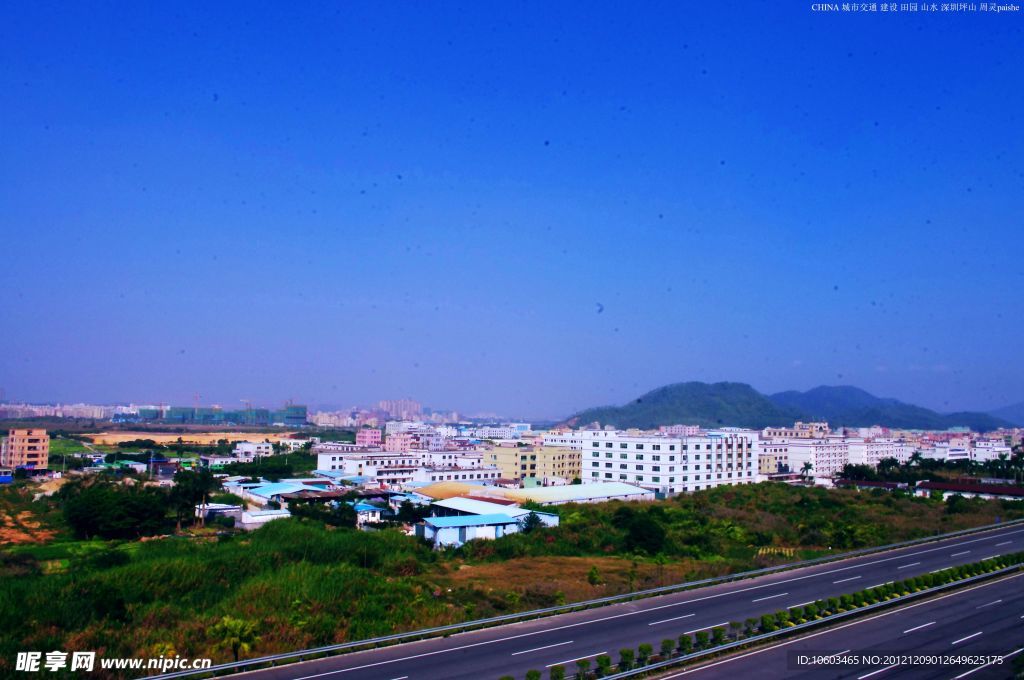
pixel 717 636
pixel 626 658
pixel 685 644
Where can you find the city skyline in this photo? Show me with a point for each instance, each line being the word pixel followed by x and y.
pixel 530 212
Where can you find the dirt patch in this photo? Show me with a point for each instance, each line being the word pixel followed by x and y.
pixel 22 528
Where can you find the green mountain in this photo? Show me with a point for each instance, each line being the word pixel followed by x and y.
pixel 740 405
pixel 1014 413
pixel 853 407
pixel 694 403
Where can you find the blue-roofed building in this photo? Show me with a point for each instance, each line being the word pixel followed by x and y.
pixel 264 493
pixel 366 513
pixel 454 531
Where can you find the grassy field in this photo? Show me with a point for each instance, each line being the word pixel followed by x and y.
pixel 303 584
pixel 200 438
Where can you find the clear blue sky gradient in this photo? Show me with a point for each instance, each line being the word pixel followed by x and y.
pixel 352 201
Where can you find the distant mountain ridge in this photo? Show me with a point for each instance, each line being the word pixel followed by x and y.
pixel 1014 413
pixel 740 405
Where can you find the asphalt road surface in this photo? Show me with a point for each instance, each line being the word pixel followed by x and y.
pixel 538 644
pixel 953 636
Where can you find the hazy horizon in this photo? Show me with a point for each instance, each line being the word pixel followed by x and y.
pixel 522 211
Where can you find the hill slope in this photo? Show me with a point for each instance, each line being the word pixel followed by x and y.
pixel 853 407
pixel 740 405
pixel 1014 413
pixel 694 403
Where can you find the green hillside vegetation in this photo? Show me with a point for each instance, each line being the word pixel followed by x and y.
pixel 853 407
pixel 740 405
pixel 696 403
pixel 299 583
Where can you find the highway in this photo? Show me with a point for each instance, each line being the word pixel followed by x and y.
pixel 537 644
pixel 982 620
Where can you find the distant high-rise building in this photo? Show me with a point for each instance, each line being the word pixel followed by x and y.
pixel 25 448
pixel 402 409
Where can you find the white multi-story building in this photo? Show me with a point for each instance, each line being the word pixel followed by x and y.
pixel 497 432
pixel 477 475
pixel 985 450
pixel 669 465
pixel 873 451
pixel 826 456
pixel 569 440
pixel 338 447
pixel 253 449
pixel 460 459
pixel 680 430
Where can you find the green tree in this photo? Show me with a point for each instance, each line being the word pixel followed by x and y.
pixel 557 672
pixel 582 668
pixel 626 658
pixel 604 665
pixel 644 653
pixel 238 635
pixel 668 645
pixel 594 576
pixel 703 638
pixel 190 489
pixel 531 523
pixel 717 636
pixel 685 644
pixel 532 675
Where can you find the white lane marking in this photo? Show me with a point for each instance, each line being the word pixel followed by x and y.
pixel 990 603
pixel 650 609
pixel 585 656
pixel 990 557
pixel 802 604
pixel 844 580
pixel 912 564
pixel 537 649
pixel 960 553
pixel 770 597
pixel 674 618
pixel 879 585
pixel 830 630
pixel 936 571
pixel 401 677
pixel 999 544
pixel 974 635
pixel 713 625
pixel 868 675
pixel 1000 660
pixel 924 625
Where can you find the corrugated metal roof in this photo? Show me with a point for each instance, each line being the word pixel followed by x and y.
pixel 479 507
pixel 469 521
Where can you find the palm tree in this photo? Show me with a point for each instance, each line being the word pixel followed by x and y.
pixel 916 458
pixel 806 470
pixel 238 634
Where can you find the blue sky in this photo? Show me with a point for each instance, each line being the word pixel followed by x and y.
pixel 345 202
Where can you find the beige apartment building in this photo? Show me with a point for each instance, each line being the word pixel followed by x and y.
pixel 25 448
pixel 541 463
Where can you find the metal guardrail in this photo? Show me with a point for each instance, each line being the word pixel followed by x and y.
pixel 681 660
pixel 476 624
